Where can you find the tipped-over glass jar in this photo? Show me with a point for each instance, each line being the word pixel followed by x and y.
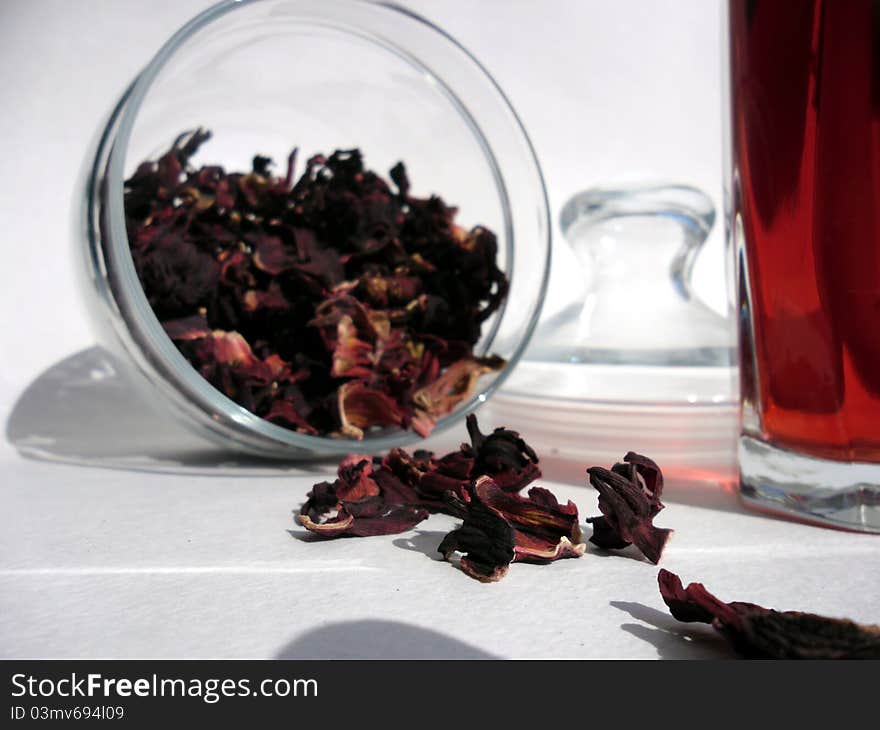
pixel 269 75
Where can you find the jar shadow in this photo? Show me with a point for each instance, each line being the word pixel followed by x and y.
pixel 87 410
pixel 378 639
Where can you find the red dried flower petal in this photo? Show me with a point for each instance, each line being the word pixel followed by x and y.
pixel 361 407
pixel 539 529
pixel 270 255
pixel 284 413
pixel 362 502
pixel 391 520
pixel 453 386
pixel 503 455
pixel 544 530
pixel 230 348
pixel 352 357
pixel 758 632
pixel 485 541
pixel 187 328
pixel 629 499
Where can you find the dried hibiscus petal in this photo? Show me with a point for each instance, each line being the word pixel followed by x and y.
pixel 502 454
pixel 764 633
pixel 485 540
pixel 358 504
pixel 361 406
pixel 501 528
pixel 449 389
pixel 629 499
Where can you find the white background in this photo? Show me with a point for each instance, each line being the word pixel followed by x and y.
pixel 110 563
pixel 608 92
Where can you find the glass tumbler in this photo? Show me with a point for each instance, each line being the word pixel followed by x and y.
pixel 804 196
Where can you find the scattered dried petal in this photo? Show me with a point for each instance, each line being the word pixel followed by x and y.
pixel 764 633
pixel 500 528
pixel 358 504
pixel 504 456
pixel 485 541
pixel 629 499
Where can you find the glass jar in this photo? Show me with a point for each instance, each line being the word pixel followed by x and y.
pixel 267 75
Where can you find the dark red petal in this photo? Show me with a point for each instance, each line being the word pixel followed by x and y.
pixel 352 358
pixel 336 526
pixel 355 480
pixel 361 502
pixel 629 501
pixel 454 385
pixel 485 540
pixel 392 520
pixel 394 489
pixel 605 536
pixel 758 632
pixel 284 413
pixel 544 529
pixel 362 407
pixel 271 256
pixel 187 328
pixel 457 465
pixel 230 348
pixel 680 605
pixel 503 455
pixel 499 526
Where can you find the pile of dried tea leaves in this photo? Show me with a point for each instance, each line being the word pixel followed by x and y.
pixel 481 484
pixel 330 304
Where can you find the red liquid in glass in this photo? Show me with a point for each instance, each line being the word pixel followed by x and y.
pixel 805 84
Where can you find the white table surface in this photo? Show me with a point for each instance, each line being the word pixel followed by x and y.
pixel 98 562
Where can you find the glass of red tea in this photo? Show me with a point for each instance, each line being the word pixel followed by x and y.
pixel 804 196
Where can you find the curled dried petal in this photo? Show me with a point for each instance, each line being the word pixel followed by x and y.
pixel 758 632
pixel 286 414
pixel 538 529
pixel 361 502
pixel 503 455
pixel 629 499
pixel 454 385
pixel 270 255
pixel 193 327
pixel 485 541
pixel 361 406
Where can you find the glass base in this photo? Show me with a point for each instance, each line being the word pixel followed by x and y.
pixel 831 493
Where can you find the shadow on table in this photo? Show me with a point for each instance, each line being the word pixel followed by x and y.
pixel 423 541
pixel 671 638
pixel 86 409
pixel 376 639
